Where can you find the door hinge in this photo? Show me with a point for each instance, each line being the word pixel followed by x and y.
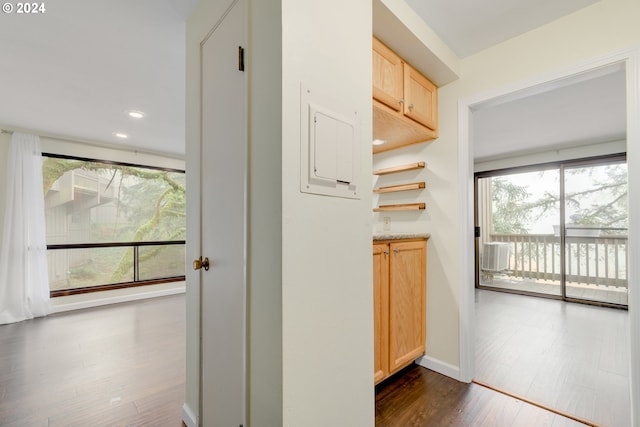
pixel 476 232
pixel 240 58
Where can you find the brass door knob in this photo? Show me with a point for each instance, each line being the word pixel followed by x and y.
pixel 201 263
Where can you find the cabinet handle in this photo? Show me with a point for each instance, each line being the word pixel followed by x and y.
pixel 396 250
pixel 386 252
pixel 410 106
pixel 401 101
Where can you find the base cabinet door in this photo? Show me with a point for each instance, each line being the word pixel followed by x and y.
pixel 399 295
pixel 407 322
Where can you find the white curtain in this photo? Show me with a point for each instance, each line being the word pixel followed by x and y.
pixel 24 281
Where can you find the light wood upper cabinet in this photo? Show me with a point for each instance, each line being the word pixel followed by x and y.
pixel 405 103
pixel 420 98
pixel 399 295
pixel 387 76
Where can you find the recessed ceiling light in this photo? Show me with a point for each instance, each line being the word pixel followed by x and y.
pixel 379 141
pixel 135 114
pixel 120 135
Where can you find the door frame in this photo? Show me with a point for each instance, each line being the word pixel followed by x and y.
pixel 631 59
pixel 241 7
pixel 205 19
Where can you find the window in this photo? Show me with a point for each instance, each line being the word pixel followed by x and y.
pixel 112 225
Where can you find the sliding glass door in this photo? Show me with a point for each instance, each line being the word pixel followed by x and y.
pixel 518 249
pixel 595 232
pixel 558 230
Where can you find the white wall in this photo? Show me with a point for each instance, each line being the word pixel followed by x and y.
pixel 310 306
pixel 326 241
pixel 594 32
pixel 265 215
pixel 264 245
pixel 597 30
pixel 607 29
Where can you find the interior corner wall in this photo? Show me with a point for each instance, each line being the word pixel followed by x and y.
pixel 327 303
pixel 264 251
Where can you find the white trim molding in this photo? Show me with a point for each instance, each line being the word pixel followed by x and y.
pixel 631 59
pixel 189 418
pixel 439 366
pixel 115 296
pixel 467 262
pixel 633 158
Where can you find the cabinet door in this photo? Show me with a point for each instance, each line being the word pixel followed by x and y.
pixel 420 98
pixel 380 311
pixel 387 76
pixel 407 301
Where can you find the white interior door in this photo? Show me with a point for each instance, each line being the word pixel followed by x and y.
pixel 223 166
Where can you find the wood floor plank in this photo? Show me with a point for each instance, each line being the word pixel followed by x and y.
pixel 124 365
pixel 116 365
pixel 418 397
pixel 568 356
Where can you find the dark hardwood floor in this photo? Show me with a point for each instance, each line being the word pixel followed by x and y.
pixel 123 365
pixel 418 397
pixel 118 365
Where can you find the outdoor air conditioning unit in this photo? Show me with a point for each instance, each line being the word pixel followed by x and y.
pixel 495 256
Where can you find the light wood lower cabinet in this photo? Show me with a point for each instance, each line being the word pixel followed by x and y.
pixel 399 298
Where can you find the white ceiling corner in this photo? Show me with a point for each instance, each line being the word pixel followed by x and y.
pixel 469 26
pixel 76 69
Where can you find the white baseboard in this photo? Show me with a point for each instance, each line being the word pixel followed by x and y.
pixel 188 417
pixel 107 297
pixel 440 367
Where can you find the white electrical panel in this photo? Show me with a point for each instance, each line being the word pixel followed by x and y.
pixel 329 149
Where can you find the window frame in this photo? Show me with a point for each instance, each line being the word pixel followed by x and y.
pixel 135 245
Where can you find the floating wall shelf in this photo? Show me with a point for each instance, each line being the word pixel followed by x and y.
pixel 401 168
pixel 401 187
pixel 401 207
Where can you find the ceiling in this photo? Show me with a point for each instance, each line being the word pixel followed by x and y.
pixel 584 109
pixel 76 70
pixel 469 26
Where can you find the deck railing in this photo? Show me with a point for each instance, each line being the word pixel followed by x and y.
pixel 600 260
